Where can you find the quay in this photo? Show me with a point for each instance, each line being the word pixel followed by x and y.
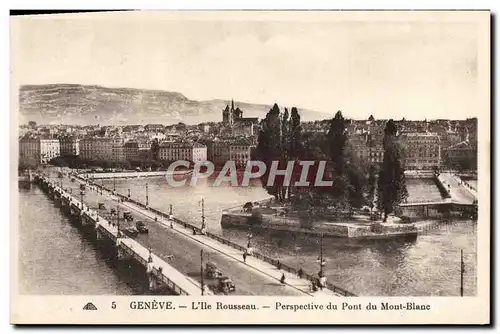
pixel 173 239
pixel 129 175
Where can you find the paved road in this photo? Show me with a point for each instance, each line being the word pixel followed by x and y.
pixel 186 252
pixel 458 192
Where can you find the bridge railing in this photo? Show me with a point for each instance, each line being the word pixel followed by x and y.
pixel 236 246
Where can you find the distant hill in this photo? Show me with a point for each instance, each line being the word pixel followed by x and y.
pixel 79 104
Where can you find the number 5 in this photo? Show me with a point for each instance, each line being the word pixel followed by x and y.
pixel 113 305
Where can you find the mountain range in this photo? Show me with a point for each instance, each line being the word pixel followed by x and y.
pixel 85 105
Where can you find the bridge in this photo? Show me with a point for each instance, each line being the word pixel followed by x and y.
pixel 172 245
pixel 458 199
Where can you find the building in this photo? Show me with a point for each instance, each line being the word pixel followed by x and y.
pixel 367 147
pixel 193 152
pixel 99 148
pixel 118 153
pixel 137 150
pixel 422 151
pixel 218 152
pixel 241 153
pixel 461 155
pixel 36 151
pixel 231 116
pixel 70 145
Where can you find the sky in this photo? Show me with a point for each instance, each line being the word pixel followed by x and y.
pixel 390 68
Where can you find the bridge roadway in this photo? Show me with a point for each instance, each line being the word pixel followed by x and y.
pixel 255 277
pixel 459 194
pixel 175 279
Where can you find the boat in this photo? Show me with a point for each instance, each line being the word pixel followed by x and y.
pixel 358 228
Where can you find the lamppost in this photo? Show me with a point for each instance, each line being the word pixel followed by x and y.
pixel 82 192
pixel 202 274
pixel 321 260
pixel 462 271
pixel 129 193
pixel 249 242
pixel 203 227
pixel 118 233
pixel 147 197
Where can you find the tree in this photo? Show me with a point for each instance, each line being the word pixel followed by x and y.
pixel 337 138
pixel 284 146
pixel 155 149
pixel 295 142
pixel 371 118
pixel 268 146
pixel 391 183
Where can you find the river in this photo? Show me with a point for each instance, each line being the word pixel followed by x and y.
pixel 428 266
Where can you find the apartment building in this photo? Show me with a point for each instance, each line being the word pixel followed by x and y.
pixel 36 151
pixel 193 152
pixel 421 150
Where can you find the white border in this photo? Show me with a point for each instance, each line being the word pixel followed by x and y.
pixel 227 4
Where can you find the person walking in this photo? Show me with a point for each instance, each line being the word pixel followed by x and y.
pixel 282 280
pixel 245 257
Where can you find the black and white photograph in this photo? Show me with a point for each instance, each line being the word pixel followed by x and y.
pixel 230 154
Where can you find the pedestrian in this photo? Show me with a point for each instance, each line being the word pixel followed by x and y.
pixel 194 231
pixel 245 257
pixel 282 280
pixel 300 273
pixel 278 265
pixel 313 286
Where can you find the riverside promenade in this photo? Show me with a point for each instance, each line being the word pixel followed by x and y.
pixel 175 239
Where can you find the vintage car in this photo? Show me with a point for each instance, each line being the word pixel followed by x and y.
pixel 211 270
pixel 101 206
pixel 130 231
pixel 128 216
pixel 224 284
pixel 141 227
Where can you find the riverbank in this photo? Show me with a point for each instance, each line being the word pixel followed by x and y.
pixel 128 175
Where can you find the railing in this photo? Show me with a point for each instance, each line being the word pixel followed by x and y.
pixel 170 284
pixel 224 241
pixel 442 188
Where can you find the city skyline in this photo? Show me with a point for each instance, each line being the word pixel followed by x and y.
pixel 382 68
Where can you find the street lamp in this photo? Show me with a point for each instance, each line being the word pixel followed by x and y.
pixel 203 227
pixel 321 260
pixel 202 274
pixel 129 193
pixel 147 197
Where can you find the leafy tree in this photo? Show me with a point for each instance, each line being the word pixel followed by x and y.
pixel 337 138
pixel 391 182
pixel 268 147
pixel 295 144
pixel 155 149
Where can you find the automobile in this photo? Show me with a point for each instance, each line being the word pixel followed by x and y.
pixel 224 284
pixel 211 270
pixel 101 206
pixel 82 186
pixel 112 211
pixel 128 216
pixel 130 231
pixel 141 227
